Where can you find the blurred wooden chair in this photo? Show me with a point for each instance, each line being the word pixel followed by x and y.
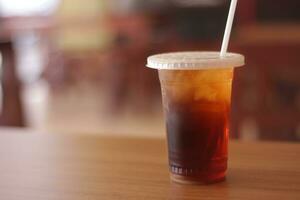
pixel 12 110
pixel 11 113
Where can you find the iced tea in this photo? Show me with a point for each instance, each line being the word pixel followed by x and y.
pixel 196 91
pixel 196 105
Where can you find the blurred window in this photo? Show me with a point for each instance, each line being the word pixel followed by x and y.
pixel 27 7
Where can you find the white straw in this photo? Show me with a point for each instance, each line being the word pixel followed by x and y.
pixel 228 28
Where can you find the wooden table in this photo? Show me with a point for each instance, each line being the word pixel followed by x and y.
pixel 54 166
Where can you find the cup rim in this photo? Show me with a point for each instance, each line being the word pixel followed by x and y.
pixel 194 60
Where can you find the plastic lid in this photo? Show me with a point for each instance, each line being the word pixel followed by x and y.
pixel 194 60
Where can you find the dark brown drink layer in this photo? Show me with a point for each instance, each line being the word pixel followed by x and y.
pixel 197 138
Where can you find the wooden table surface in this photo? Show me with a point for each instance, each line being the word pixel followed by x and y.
pixel 36 166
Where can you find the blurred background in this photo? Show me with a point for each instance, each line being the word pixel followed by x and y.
pixel 77 66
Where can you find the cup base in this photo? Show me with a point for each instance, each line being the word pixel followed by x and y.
pixel 187 180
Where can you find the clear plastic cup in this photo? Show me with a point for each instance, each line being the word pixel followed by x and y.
pixel 196 93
